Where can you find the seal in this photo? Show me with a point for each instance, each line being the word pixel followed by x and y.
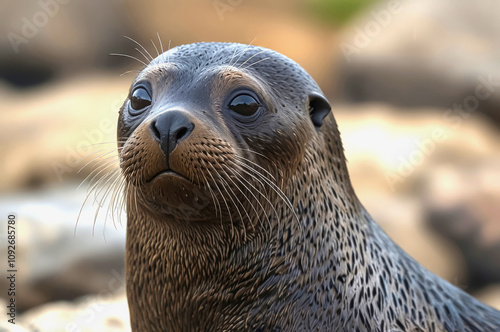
pixel 241 214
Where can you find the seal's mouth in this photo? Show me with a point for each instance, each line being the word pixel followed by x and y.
pixel 167 173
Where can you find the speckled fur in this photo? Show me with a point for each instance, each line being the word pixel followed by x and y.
pixel 325 266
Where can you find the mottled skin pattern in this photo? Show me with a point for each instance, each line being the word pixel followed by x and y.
pixel 222 249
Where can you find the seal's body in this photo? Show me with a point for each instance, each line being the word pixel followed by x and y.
pixel 241 214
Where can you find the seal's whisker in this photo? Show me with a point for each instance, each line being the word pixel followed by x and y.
pixel 241 65
pixel 135 197
pixel 280 193
pixel 272 184
pixel 99 158
pixel 100 167
pixel 100 204
pixel 129 56
pixel 242 52
pixel 123 203
pixel 129 71
pixel 110 142
pixel 232 57
pixel 225 187
pixel 100 164
pixel 118 194
pixel 240 178
pixel 213 196
pixel 96 177
pixel 104 186
pixel 252 176
pixel 227 205
pixel 156 48
pixel 237 176
pixel 258 180
pixel 104 150
pixel 145 50
pixel 256 62
pixel 117 183
pixel 86 199
pixel 253 152
pixel 288 205
pixel 161 44
pixel 100 182
pixel 142 53
pixel 168 58
pixel 256 165
pixel 115 188
pixel 223 198
pixel 243 206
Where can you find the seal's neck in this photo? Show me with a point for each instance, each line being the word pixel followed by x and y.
pixel 360 274
pixel 175 272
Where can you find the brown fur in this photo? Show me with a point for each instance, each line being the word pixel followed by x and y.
pixel 277 241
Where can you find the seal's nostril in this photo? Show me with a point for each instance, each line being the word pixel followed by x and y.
pixel 180 133
pixel 155 131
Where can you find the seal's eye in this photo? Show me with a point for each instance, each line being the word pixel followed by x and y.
pixel 140 99
pixel 244 104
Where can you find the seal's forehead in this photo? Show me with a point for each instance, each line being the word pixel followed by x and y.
pixel 150 73
pixel 271 65
pixel 231 54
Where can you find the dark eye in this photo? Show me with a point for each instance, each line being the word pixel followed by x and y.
pixel 244 104
pixel 140 99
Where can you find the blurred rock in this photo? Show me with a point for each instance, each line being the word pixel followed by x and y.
pixel 47 38
pixel 54 262
pixel 401 218
pixel 462 205
pixel 425 53
pixel 490 295
pixel 77 36
pixel 50 133
pixel 400 172
pixel 282 25
pixel 107 312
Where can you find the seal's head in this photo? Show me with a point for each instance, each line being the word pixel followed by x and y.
pixel 211 132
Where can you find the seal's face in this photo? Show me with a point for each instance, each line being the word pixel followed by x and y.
pixel 210 131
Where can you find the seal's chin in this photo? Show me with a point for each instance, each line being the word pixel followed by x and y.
pixel 169 192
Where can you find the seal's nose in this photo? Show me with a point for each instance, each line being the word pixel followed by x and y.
pixel 169 128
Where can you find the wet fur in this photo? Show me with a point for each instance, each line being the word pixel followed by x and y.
pixel 295 252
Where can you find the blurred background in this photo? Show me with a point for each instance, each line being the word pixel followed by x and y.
pixel 415 88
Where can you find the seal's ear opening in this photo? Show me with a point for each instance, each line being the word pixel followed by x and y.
pixel 319 107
